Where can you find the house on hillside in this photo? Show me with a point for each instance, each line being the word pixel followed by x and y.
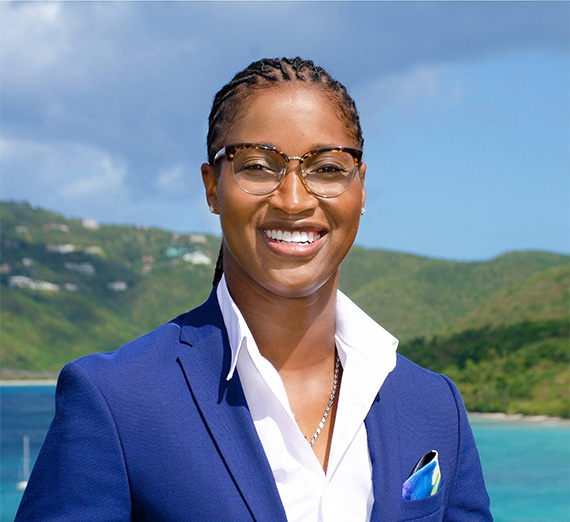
pixel 82 268
pixel 90 224
pixel 118 286
pixel 198 238
pixel 32 284
pixel 174 252
pixel 94 250
pixel 56 226
pixel 198 257
pixel 60 249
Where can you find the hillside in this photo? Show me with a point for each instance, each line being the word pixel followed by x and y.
pixel 70 287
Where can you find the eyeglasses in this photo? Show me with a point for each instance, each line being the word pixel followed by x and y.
pixel 260 169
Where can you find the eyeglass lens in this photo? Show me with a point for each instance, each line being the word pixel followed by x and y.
pixel 326 173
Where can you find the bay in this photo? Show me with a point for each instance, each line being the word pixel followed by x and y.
pixel 526 464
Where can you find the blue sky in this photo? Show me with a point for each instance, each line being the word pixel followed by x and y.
pixel 464 106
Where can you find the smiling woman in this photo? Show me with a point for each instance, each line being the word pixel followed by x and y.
pixel 278 399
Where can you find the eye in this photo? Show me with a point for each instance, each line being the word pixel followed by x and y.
pixel 329 164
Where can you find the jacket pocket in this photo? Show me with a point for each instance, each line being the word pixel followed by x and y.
pixel 428 509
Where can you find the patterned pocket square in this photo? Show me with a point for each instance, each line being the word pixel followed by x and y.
pixel 424 479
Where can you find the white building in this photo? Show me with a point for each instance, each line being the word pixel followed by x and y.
pixel 197 258
pixel 90 224
pixel 60 249
pixel 118 286
pixel 83 268
pixel 32 284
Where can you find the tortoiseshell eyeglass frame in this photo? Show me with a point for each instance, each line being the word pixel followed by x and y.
pixel 229 152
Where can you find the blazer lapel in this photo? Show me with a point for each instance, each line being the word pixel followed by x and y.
pixel 205 362
pixel 384 446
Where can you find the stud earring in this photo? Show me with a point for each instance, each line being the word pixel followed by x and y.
pixel 362 211
pixel 213 209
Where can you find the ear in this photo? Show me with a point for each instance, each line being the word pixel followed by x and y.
pixel 362 176
pixel 210 181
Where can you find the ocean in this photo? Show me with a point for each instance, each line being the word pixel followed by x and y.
pixel 526 464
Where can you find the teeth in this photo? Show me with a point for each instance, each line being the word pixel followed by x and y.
pixel 286 236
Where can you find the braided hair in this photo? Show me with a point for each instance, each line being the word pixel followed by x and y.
pixel 264 74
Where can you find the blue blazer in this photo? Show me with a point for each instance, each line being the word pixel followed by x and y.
pixel 154 432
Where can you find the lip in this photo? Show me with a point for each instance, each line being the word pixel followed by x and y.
pixel 284 248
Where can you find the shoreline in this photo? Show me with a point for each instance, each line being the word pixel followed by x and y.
pixel 533 419
pixel 499 416
pixel 27 382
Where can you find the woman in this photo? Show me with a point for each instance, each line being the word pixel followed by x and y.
pixel 278 399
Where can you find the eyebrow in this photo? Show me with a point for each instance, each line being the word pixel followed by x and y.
pixel 314 147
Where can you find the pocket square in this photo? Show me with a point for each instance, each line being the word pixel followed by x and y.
pixel 424 479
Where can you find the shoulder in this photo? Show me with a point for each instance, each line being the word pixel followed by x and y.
pixel 151 357
pixel 425 402
pixel 412 382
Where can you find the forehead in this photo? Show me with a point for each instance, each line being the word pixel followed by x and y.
pixel 295 112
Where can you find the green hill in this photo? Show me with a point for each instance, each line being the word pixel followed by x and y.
pixel 477 321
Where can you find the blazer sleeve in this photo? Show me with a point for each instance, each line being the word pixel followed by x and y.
pixel 80 473
pixel 468 499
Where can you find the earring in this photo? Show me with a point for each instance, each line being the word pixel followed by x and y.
pixel 362 211
pixel 213 209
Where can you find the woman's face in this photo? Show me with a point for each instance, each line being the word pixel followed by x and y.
pixel 294 119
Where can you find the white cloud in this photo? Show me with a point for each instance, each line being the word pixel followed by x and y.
pixel 171 180
pixel 66 170
pixel 104 178
pixel 403 90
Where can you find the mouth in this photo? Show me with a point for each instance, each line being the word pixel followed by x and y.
pixel 293 237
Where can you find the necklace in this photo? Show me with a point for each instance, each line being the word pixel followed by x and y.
pixel 331 399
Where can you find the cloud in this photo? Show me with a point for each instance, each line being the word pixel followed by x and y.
pixel 60 170
pixel 403 90
pixel 172 181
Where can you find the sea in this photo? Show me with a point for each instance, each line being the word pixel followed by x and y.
pixel 526 464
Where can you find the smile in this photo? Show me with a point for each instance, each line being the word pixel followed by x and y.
pixel 293 237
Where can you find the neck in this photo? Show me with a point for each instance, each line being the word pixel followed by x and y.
pixel 293 333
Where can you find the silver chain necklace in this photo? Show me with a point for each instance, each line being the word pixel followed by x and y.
pixel 331 400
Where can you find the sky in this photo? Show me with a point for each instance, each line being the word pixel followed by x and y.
pixel 464 108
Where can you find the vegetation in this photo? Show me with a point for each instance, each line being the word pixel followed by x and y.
pixel 499 328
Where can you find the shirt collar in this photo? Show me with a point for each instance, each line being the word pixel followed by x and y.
pixel 355 330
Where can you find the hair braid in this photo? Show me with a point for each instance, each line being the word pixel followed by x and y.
pixel 264 74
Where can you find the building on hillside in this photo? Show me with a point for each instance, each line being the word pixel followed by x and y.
pixel 90 224
pixel 21 229
pixel 5 268
pixel 147 259
pixel 27 262
pixel 60 249
pixel 94 250
pixel 32 284
pixel 147 268
pixel 197 258
pixel 82 268
pixel 71 287
pixel 172 251
pixel 56 226
pixel 198 238
pixel 118 286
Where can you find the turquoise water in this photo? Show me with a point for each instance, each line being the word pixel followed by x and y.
pixel 526 465
pixel 527 469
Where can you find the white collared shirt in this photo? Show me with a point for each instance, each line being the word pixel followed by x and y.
pixel 368 354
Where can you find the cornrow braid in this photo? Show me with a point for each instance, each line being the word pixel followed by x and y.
pixel 264 74
pixel 219 271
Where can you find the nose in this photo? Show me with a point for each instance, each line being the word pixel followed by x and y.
pixel 292 196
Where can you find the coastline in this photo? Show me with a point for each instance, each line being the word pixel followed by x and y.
pixel 500 416
pixel 28 382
